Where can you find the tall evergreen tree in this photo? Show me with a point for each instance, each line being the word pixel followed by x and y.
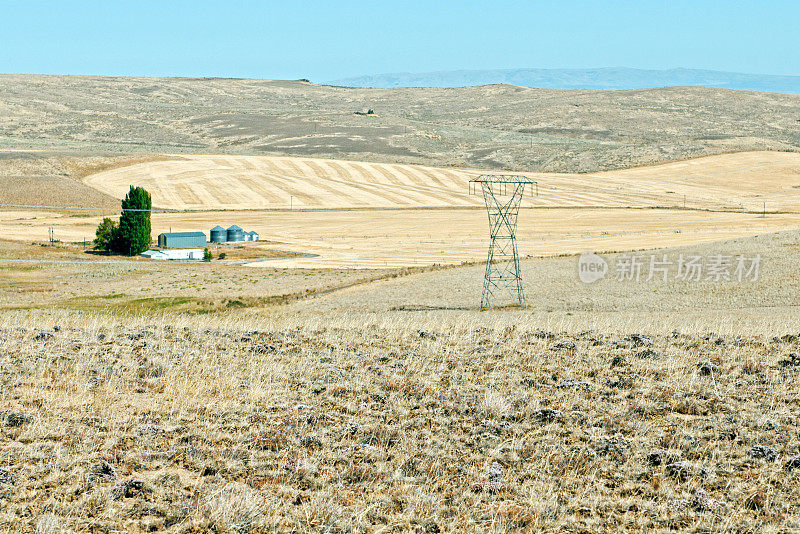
pixel 134 223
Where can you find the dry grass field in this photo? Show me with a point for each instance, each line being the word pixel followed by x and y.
pixel 64 276
pixel 331 378
pixel 339 425
pixel 420 216
pixel 395 405
pixel 143 396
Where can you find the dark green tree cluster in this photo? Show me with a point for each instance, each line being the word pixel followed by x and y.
pixel 132 235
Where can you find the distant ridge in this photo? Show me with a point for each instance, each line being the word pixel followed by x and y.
pixel 602 78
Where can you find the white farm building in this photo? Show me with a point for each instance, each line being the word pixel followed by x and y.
pixel 178 254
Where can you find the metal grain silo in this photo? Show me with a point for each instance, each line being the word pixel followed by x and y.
pixel 235 234
pixel 218 234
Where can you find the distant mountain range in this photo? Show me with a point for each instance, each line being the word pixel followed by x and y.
pixel 604 78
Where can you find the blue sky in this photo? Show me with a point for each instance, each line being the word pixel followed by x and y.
pixel 324 40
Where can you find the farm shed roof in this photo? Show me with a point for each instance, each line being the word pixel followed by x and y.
pixel 183 234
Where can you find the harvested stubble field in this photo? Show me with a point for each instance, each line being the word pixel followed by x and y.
pixel 177 182
pixel 420 216
pixel 337 425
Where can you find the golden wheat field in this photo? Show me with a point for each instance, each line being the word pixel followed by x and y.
pixel 737 180
pixel 361 215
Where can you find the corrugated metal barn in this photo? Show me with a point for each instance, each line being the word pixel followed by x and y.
pixel 182 239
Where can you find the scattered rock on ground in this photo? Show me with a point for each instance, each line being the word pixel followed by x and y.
pixel 617 360
pixel 494 478
pixel 640 340
pixel 105 470
pixel 7 477
pixel 15 419
pixel 763 451
pixel 700 501
pixel 707 368
pixel 663 456
pixel 648 354
pixel 547 415
pixel 564 345
pixel 127 488
pixel 571 383
pixel 680 470
pixel 793 463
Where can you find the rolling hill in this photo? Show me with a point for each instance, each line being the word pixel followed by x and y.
pixel 192 182
pixel 488 127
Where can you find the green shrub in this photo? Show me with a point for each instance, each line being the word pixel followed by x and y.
pixel 106 235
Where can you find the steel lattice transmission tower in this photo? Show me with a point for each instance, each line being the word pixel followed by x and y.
pixel 503 195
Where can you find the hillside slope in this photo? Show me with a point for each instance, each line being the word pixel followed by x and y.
pixel 498 126
pixel 742 180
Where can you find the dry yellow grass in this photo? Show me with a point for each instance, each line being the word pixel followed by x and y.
pixel 439 222
pixel 143 396
pixel 397 238
pixel 336 425
pixel 261 182
pixel 397 405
